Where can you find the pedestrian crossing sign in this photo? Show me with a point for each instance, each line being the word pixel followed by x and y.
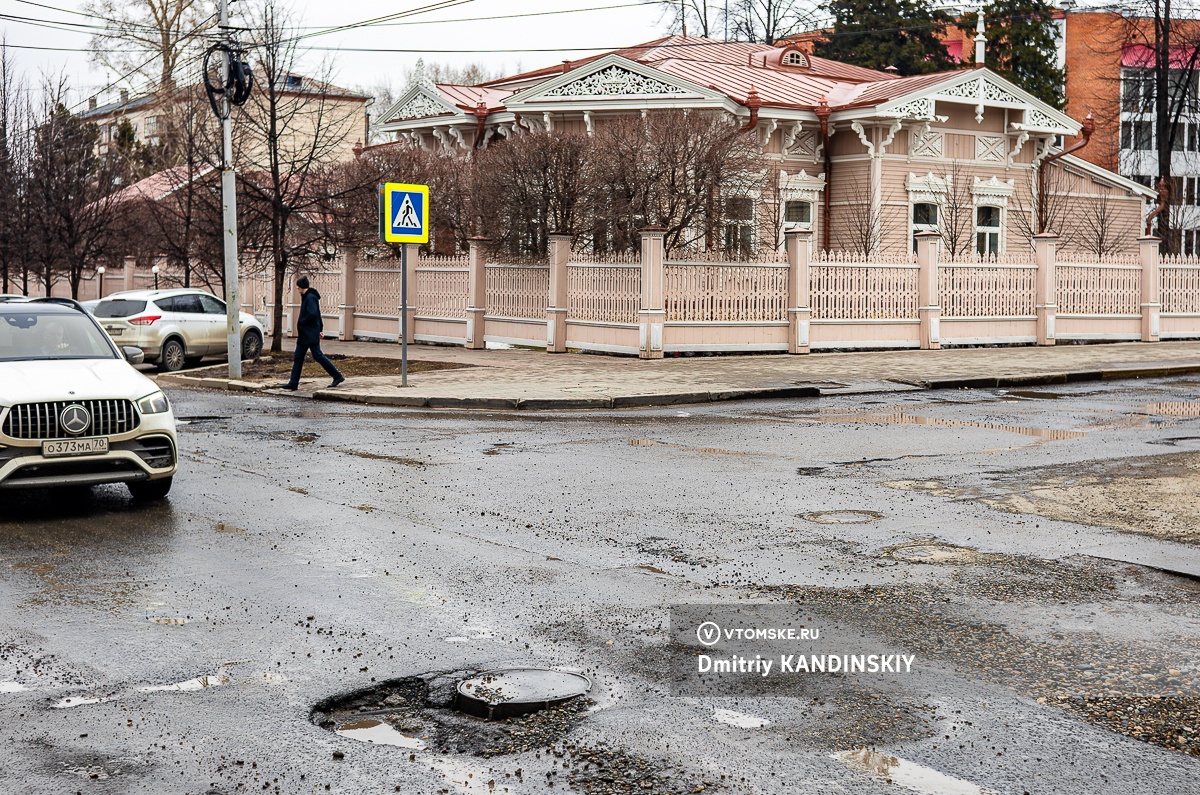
pixel 404 213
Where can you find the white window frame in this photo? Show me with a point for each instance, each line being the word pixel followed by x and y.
pixel 799 188
pixel 997 230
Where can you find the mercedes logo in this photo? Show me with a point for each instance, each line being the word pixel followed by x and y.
pixel 75 419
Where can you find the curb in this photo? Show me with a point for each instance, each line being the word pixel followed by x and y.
pixel 1045 379
pixel 679 398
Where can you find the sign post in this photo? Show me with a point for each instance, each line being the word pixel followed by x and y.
pixel 403 219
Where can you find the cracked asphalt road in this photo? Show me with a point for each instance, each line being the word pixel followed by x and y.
pixel 1029 546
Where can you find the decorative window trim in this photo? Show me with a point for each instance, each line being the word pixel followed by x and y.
pixel 998 230
pixel 992 192
pixel 929 189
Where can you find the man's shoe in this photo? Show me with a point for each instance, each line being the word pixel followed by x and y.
pixel 288 387
pixel 341 379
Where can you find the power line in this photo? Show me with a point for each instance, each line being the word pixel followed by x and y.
pixel 498 16
pixel 436 6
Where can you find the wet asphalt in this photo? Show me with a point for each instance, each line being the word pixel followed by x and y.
pixel 309 551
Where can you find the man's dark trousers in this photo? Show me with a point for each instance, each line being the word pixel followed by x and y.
pixel 308 338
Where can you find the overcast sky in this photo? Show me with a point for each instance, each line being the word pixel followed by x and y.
pixel 440 30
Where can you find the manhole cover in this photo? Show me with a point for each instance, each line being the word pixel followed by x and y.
pixel 841 517
pixel 518 691
pixel 932 553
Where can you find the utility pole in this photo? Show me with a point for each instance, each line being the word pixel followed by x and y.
pixel 229 205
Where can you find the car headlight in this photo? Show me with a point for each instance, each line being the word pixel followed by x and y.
pixel 154 403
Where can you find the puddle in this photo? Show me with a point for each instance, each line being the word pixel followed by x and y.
pixel 190 685
pixel 1183 442
pixel 377 732
pixel 739 719
pixel 1031 394
pixel 841 517
pixel 1173 408
pixel 932 552
pixel 12 687
pixel 168 621
pixel 901 772
pixel 902 418
pixel 79 701
pixel 470 634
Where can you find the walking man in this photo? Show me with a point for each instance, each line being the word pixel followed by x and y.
pixel 308 336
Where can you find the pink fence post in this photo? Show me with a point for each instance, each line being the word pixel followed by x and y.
pixel 799 254
pixel 1045 300
pixel 556 313
pixel 477 292
pixel 928 307
pixel 652 315
pixel 349 292
pixel 408 314
pixel 130 269
pixel 1151 299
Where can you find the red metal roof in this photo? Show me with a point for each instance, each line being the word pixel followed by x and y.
pixel 469 97
pixel 730 68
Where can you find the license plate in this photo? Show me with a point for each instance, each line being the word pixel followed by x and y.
pixel 65 447
pixel 114 331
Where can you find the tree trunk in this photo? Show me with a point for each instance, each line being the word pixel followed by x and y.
pixel 1162 113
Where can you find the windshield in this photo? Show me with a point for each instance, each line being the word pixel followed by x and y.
pixel 119 307
pixel 32 335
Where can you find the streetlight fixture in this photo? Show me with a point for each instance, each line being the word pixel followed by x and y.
pixel 100 282
pixel 154 270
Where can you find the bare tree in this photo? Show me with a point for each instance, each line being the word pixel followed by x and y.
pixel 861 226
pixel 1028 215
pixel 673 169
pixel 11 230
pixel 768 20
pixel 150 38
pixel 1160 40
pixel 290 136
pixel 1098 226
pixel 956 210
pixel 700 17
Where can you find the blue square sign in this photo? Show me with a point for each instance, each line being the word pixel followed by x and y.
pixel 405 213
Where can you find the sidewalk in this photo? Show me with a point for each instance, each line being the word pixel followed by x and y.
pixel 529 379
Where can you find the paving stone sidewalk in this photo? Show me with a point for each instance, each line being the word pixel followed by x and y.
pixel 530 379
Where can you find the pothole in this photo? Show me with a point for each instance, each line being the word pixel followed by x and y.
pixel 842 517
pixel 932 552
pixel 429 710
pixel 891 769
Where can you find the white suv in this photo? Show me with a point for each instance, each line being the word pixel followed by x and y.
pixel 73 411
pixel 174 327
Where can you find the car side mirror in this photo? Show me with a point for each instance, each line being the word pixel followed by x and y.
pixel 133 355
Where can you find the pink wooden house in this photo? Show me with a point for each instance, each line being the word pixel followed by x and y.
pixel 865 159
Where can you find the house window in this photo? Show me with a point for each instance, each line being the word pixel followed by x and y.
pixel 151 126
pixel 739 226
pixel 797 212
pixel 987 231
pixel 795 58
pixel 1137 90
pixel 1137 135
pixel 924 219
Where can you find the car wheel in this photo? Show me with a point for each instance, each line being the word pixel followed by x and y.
pixel 252 345
pixel 173 356
pixel 147 490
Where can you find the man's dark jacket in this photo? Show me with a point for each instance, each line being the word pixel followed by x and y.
pixel 309 325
